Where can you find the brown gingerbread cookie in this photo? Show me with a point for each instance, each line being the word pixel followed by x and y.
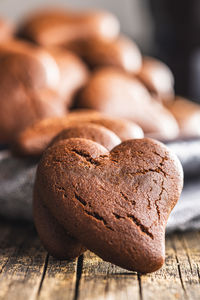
pixel 25 96
pixel 73 73
pixel 53 236
pixel 62 27
pixel 115 93
pixel 47 62
pixel 122 53
pixel 115 203
pixel 187 114
pixel 33 140
pixel 93 132
pixel 158 78
pixel 6 30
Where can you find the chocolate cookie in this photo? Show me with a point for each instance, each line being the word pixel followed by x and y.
pixel 93 132
pixel 73 73
pixel 60 27
pixel 187 114
pixel 115 203
pixel 6 30
pixel 158 78
pixel 25 97
pixel 123 128
pixel 33 140
pixel 46 61
pixel 53 236
pixel 115 93
pixel 122 53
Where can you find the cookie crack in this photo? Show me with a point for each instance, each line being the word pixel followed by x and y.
pixel 145 171
pixel 125 197
pixel 149 202
pixel 86 157
pixel 159 199
pixel 84 203
pixel 163 158
pixel 98 218
pixel 144 229
pixel 80 199
pixel 60 188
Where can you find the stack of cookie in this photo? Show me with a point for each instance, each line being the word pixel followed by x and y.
pixel 60 60
pixel 79 94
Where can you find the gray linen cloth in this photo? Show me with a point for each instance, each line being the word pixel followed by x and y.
pixel 16 187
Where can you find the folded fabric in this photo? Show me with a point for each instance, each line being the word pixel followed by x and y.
pixel 16 188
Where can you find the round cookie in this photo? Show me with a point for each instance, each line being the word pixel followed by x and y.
pixel 112 92
pixel 33 140
pixel 115 203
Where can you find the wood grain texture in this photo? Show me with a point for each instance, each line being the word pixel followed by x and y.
pixel 28 272
pixel 23 260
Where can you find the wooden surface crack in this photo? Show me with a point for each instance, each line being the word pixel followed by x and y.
pixel 43 274
pixel 178 267
pixel 180 274
pixel 79 269
pixel 140 286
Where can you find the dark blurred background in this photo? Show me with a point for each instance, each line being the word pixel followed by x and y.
pixel 166 29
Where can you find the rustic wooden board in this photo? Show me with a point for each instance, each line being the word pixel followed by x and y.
pixel 28 272
pixel 59 280
pixel 23 261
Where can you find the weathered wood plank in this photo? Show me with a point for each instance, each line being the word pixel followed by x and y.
pixel 187 268
pixel 102 280
pixel 27 272
pixel 24 259
pixel 59 280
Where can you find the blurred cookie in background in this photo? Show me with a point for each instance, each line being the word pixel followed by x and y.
pixel 34 139
pixel 115 93
pixel 121 52
pixel 25 95
pixel 93 132
pixel 158 78
pixel 187 114
pixel 61 27
pixel 73 73
pixel 6 30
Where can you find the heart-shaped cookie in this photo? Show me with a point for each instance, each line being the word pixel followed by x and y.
pixel 115 203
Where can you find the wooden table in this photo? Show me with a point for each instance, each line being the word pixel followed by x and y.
pixel 28 272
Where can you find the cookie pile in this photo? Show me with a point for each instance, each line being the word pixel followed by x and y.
pixel 56 60
pixel 78 94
